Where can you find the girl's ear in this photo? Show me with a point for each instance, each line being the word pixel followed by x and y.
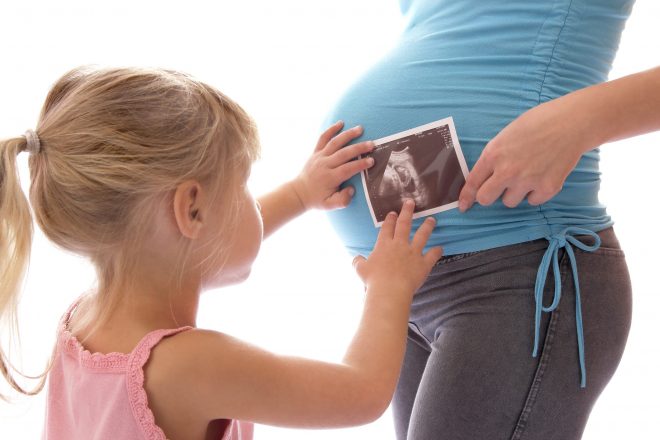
pixel 188 203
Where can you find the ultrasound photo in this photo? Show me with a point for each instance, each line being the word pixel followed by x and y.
pixel 425 164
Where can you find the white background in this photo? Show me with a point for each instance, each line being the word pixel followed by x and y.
pixel 286 62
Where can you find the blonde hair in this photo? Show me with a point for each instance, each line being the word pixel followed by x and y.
pixel 114 144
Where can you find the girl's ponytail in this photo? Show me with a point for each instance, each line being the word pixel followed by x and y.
pixel 15 244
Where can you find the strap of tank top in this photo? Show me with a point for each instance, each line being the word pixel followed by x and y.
pixel 135 382
pixel 563 239
pixel 141 352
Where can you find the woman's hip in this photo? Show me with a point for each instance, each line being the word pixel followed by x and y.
pixel 499 285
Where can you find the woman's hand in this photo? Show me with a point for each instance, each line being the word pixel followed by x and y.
pixel 398 264
pixel 535 153
pixel 317 186
pixel 531 157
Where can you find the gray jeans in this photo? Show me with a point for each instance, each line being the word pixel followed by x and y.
pixel 469 373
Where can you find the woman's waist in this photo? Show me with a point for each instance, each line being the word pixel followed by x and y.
pixel 482 227
pixel 458 241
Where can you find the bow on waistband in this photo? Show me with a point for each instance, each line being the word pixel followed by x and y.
pixel 563 239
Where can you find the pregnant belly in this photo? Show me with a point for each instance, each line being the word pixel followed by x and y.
pixel 400 93
pixel 416 85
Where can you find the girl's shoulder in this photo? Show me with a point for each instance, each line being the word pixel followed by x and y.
pixel 181 369
pixel 191 374
pixel 185 349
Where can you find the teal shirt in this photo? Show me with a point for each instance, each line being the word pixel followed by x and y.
pixel 485 62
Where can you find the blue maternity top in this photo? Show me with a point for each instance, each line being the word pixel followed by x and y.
pixel 485 62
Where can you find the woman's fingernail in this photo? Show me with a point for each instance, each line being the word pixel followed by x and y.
pixel 370 161
pixel 351 191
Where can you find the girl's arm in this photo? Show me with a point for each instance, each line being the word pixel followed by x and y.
pixel 317 186
pixel 532 156
pixel 216 376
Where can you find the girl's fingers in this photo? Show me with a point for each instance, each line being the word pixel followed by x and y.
pixel 339 199
pixel 342 139
pixel 327 135
pixel 387 228
pixel 358 263
pixel 404 222
pixel 423 233
pixel 348 170
pixel 433 255
pixel 349 153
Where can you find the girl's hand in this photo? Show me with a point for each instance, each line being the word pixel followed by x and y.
pixel 531 157
pixel 397 263
pixel 317 186
pixel 291 391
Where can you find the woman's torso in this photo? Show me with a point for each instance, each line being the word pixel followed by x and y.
pixel 484 62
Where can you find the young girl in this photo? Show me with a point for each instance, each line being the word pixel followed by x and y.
pixel 144 172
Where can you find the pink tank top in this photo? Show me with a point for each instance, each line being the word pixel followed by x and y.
pixel 101 396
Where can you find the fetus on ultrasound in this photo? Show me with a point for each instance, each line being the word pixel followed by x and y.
pixel 400 177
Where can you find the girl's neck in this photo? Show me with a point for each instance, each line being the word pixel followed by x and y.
pixel 140 311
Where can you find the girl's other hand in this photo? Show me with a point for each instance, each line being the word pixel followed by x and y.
pixel 398 263
pixel 317 186
pixel 530 158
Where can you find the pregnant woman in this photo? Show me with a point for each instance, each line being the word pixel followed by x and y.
pixel 523 322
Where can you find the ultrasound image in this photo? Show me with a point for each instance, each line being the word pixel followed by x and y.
pixel 423 166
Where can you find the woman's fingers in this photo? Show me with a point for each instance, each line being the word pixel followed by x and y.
pixel 491 190
pixel 513 196
pixel 475 179
pixel 539 196
pixel 328 134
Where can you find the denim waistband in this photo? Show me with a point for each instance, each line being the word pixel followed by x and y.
pixel 607 237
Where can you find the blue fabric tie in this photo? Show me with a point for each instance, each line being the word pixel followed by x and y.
pixel 563 239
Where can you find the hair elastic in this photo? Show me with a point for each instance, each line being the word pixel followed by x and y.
pixel 33 143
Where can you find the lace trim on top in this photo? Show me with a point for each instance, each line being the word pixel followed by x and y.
pixel 131 364
pixel 99 362
pixel 137 396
